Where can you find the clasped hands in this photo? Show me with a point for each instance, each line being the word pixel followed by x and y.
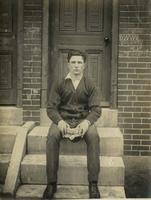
pixel 80 130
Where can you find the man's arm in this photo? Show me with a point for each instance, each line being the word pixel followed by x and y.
pixel 94 109
pixel 94 104
pixel 52 109
pixel 53 104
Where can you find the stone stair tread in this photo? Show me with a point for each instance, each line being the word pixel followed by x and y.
pixel 11 115
pixel 7 138
pixel 69 191
pixel 4 163
pixel 72 170
pixel 37 142
pixel 71 160
pixel 8 130
pixel 109 132
pixel 5 158
pixel 42 131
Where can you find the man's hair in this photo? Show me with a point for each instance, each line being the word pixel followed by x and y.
pixel 76 53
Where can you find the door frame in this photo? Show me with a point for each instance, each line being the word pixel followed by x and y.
pixel 15 6
pixel 18 36
pixel 20 46
pixel 45 52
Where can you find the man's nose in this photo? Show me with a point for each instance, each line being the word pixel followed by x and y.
pixel 76 64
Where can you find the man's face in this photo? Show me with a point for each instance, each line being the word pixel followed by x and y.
pixel 76 65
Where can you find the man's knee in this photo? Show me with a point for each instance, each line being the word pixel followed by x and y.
pixel 54 133
pixel 92 135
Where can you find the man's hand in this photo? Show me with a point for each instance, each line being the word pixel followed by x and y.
pixel 83 127
pixel 62 125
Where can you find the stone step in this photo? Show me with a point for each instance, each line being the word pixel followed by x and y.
pixel 11 116
pixel 73 170
pixel 109 118
pixel 7 138
pixel 4 163
pixel 69 192
pixel 111 142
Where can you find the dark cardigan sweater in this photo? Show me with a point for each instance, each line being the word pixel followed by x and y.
pixel 65 102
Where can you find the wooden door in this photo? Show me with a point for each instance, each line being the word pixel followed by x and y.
pixel 7 52
pixel 83 25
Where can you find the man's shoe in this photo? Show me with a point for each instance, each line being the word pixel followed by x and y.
pixel 49 191
pixel 94 191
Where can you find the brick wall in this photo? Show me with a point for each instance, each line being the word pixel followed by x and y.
pixel 134 75
pixel 32 59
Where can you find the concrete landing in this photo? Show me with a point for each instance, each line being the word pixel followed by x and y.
pixel 72 170
pixel 69 192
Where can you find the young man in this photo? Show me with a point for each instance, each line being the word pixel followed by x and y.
pixel 73 107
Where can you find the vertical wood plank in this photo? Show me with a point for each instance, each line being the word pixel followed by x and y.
pixel 81 12
pixel 94 17
pixel 107 49
pixel 19 52
pixel 8 51
pixel 68 15
pixel 45 52
pixel 114 64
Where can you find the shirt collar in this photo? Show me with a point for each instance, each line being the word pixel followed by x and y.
pixel 69 77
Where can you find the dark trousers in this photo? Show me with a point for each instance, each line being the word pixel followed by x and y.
pixel 52 153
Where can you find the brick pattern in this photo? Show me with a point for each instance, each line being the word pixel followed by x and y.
pixel 134 76
pixel 32 60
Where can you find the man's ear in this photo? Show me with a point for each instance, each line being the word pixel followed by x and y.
pixel 68 65
pixel 85 65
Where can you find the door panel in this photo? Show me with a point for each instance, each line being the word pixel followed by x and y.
pixel 67 20
pixel 5 71
pixel 7 52
pixel 94 67
pixel 80 24
pixel 94 15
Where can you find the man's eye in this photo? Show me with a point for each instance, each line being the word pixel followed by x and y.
pixel 73 62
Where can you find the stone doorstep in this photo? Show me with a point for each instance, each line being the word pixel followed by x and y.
pixel 4 162
pixel 73 170
pixel 107 119
pixel 111 142
pixel 10 115
pixel 69 192
pixel 7 138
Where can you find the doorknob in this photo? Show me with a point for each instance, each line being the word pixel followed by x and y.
pixel 106 39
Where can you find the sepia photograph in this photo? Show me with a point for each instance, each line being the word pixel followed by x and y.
pixel 75 99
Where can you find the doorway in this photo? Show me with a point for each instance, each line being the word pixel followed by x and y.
pixel 85 25
pixel 8 69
